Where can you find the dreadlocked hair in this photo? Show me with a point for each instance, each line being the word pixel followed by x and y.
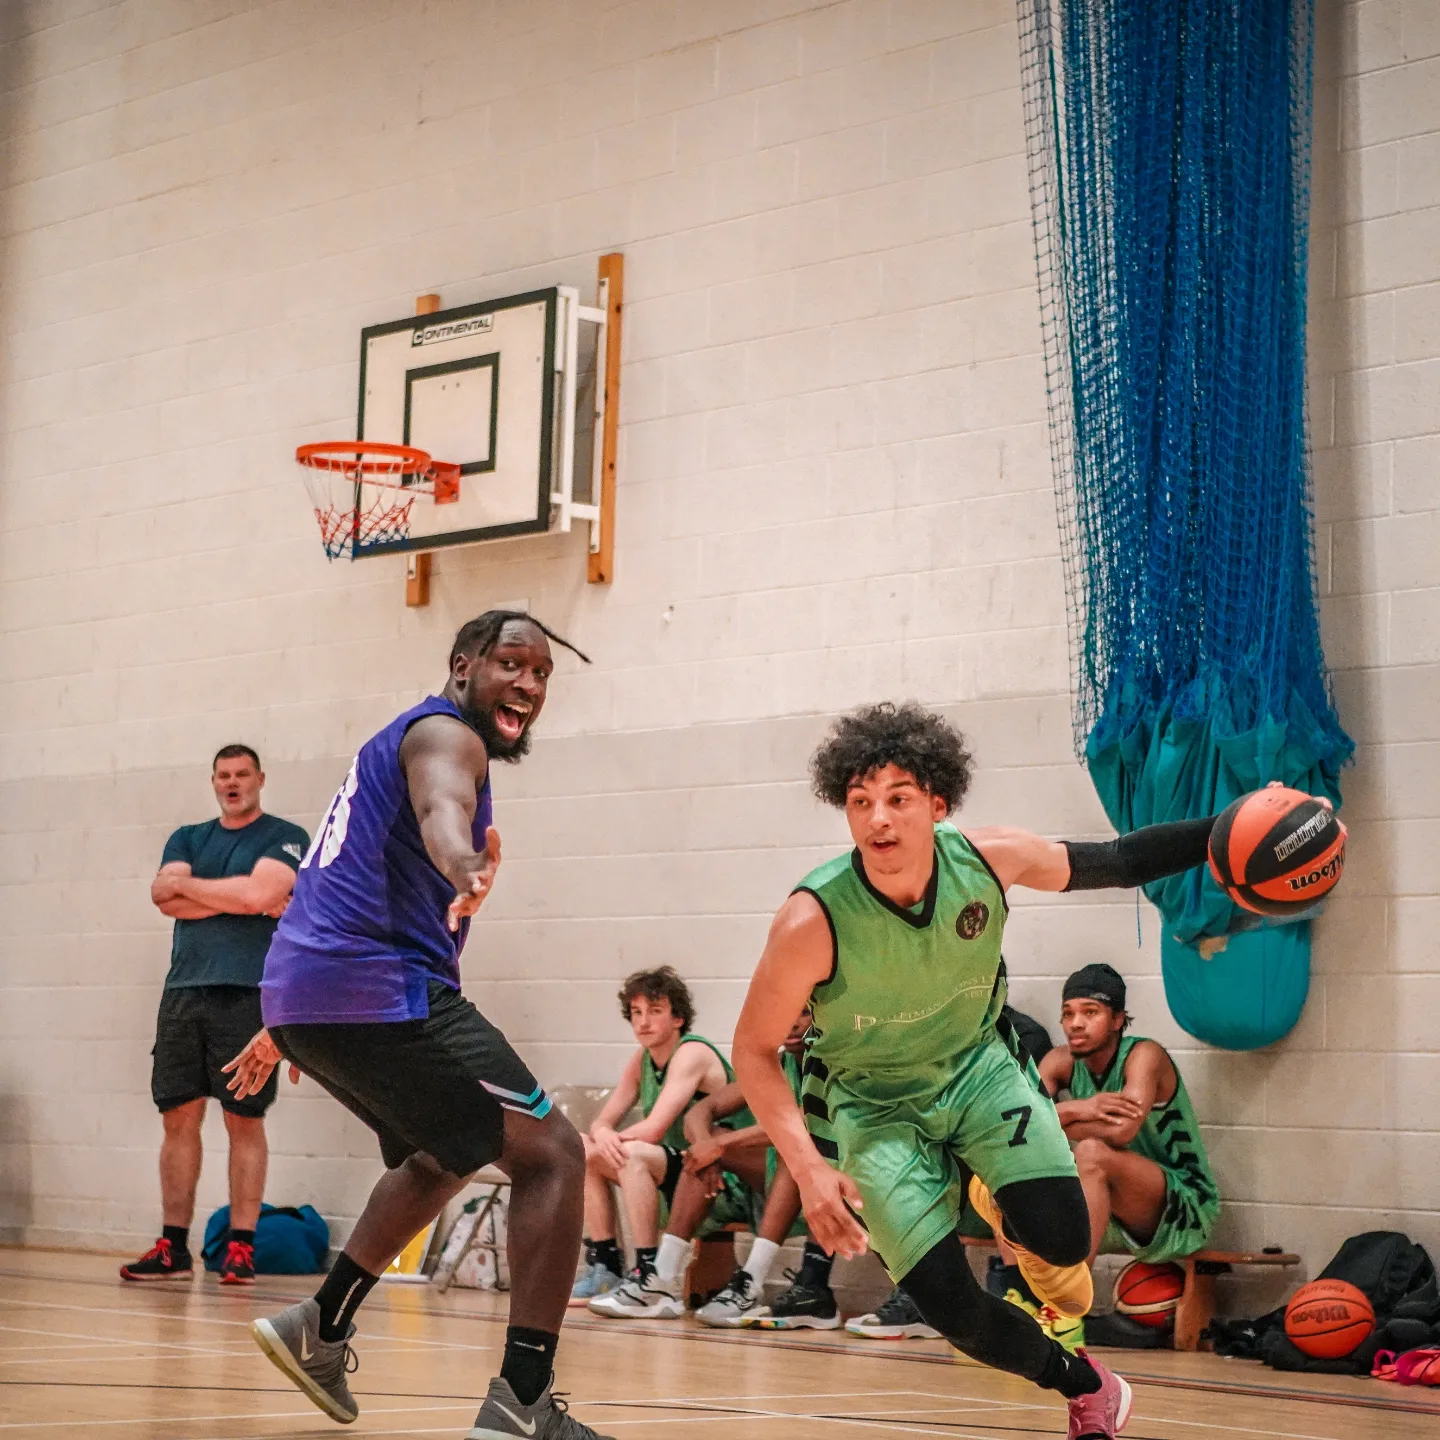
pixel 907 736
pixel 480 635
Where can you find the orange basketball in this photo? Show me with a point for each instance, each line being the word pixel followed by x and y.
pixel 1149 1293
pixel 1327 1319
pixel 1276 851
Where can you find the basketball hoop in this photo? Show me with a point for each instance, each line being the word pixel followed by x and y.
pixel 362 490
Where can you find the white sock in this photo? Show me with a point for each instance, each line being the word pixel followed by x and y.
pixel 762 1256
pixel 671 1258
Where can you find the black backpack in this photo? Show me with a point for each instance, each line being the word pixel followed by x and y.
pixel 1394 1274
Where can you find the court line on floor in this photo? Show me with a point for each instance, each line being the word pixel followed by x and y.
pixel 1375 1404
pixel 187 1319
pixel 726 1414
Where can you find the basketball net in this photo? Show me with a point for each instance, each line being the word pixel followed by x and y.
pixel 362 492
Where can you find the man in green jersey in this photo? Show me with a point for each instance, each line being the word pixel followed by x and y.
pixel 1130 1123
pixel 666 1075
pixel 896 948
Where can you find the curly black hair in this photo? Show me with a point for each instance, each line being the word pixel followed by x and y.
pixel 661 984
pixel 906 736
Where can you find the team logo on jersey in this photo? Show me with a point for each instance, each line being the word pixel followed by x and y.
pixel 293 851
pixel 970 923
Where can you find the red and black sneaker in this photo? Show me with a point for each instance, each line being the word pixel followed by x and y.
pixel 160 1262
pixel 238 1267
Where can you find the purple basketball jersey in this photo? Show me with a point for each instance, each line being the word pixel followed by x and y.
pixel 365 929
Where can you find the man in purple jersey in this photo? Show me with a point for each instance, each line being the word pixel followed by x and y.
pixel 362 993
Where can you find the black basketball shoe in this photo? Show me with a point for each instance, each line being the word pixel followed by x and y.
pixel 160 1262
pixel 804 1305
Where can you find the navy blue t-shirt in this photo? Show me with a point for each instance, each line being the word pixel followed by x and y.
pixel 227 949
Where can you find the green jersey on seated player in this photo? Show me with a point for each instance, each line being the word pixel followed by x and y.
pixel 731 1175
pixel 672 1070
pixel 1129 1120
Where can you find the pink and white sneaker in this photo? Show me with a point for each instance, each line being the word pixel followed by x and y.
pixel 1100 1416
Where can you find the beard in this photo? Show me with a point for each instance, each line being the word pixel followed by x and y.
pixel 497 747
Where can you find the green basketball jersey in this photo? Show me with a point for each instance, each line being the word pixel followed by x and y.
pixel 793 1066
pixel 1170 1133
pixel 910 988
pixel 652 1081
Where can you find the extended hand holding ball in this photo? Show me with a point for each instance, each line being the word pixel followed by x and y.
pixel 1277 851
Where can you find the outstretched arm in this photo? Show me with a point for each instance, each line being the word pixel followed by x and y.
pixel 798 957
pixel 1019 857
pixel 444 762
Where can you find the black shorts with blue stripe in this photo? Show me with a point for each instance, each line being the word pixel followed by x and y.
pixel 439 1085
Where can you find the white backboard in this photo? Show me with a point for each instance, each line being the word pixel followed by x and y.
pixel 474 386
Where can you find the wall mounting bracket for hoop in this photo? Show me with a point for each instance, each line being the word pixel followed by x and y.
pixel 599 511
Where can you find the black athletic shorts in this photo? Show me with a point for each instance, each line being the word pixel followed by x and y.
pixel 200 1028
pixel 439 1085
pixel 674 1166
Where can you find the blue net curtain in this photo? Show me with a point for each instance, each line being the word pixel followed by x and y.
pixel 1169 159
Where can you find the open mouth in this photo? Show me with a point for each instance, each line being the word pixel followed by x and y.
pixel 511 718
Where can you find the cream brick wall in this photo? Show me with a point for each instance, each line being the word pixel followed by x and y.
pixel 834 487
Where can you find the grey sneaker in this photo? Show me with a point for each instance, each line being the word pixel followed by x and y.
pixel 736 1305
pixel 644 1296
pixel 503 1417
pixel 292 1342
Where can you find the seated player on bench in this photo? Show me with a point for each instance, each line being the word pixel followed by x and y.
pixel 731 1176
pixel 670 1071
pixel 1129 1120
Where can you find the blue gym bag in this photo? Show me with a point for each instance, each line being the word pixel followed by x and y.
pixel 289 1240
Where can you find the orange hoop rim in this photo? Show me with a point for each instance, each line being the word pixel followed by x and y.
pixel 365 457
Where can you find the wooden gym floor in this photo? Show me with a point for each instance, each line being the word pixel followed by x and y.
pixel 82 1354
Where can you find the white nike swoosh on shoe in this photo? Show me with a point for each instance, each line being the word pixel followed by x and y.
pixel 305 1351
pixel 512 1416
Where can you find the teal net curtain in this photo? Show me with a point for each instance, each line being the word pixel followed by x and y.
pixel 1169 160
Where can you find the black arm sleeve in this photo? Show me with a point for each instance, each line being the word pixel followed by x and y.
pixel 1143 855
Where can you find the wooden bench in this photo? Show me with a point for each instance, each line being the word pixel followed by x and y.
pixel 1196 1306
pixel 1197 1303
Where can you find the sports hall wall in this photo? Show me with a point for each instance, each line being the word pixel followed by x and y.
pixel 834 487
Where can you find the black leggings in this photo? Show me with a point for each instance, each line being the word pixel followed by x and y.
pixel 1049 1218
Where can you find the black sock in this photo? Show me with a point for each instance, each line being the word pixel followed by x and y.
pixel 529 1361
pixel 606 1253
pixel 645 1258
pixel 179 1238
pixel 243 1237
pixel 339 1297
pixel 1071 1375
pixel 815 1265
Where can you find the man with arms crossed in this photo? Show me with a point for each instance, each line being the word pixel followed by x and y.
pixel 896 948
pixel 223 882
pixel 1130 1123
pixel 362 993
